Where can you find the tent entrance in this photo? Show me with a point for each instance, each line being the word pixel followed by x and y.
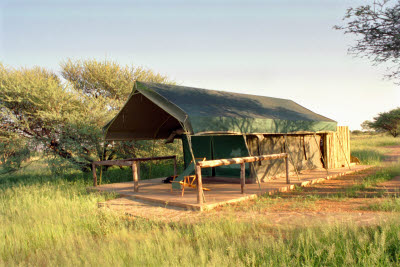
pixel 141 119
pixel 216 147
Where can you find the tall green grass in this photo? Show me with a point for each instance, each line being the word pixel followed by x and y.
pixel 382 175
pixel 59 224
pixel 376 140
pixel 51 220
pixel 370 149
pixel 368 156
pixel 389 204
pixel 54 221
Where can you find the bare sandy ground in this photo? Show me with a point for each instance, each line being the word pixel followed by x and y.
pixel 291 209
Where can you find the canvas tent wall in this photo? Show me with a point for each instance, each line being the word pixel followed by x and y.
pixel 307 151
pixel 303 149
pixel 304 153
pixel 222 125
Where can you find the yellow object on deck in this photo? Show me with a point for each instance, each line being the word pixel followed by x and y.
pixel 189 181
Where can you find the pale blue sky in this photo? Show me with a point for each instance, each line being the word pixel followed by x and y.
pixel 281 48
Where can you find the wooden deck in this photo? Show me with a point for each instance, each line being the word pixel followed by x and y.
pixel 221 191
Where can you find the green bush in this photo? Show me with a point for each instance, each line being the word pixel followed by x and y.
pixel 13 151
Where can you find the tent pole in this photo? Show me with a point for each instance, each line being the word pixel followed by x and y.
pixel 252 163
pixel 321 154
pixel 189 137
pixel 290 157
pixel 200 194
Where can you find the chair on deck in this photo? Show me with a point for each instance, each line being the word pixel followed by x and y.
pixel 187 179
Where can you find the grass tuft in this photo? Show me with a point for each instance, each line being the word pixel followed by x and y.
pixel 389 204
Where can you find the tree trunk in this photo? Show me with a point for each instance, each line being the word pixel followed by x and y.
pixel 84 166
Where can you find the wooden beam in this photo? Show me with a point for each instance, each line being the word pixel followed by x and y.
pixel 242 176
pixel 135 177
pixel 222 162
pixel 113 162
pixel 94 174
pixel 121 162
pixel 199 185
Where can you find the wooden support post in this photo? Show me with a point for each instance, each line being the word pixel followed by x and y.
pixel 287 169
pixel 138 169
pixel 199 185
pixel 175 166
pixel 242 176
pixel 94 174
pixel 135 177
pixel 101 175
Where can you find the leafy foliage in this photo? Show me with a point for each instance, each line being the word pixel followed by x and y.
pixel 36 106
pixel 13 151
pixel 106 79
pixel 66 118
pixel 387 122
pixel 377 27
pixel 365 126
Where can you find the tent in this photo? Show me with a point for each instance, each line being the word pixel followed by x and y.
pixel 154 111
pixel 217 124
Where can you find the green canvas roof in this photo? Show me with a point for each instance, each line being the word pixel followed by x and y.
pixel 154 111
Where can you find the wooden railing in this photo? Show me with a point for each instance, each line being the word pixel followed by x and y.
pixel 129 162
pixel 241 161
pixel 199 165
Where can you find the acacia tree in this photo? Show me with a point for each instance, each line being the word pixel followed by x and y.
pixel 377 29
pixel 65 118
pixel 366 126
pixel 112 82
pixel 107 79
pixel 387 122
pixel 37 108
